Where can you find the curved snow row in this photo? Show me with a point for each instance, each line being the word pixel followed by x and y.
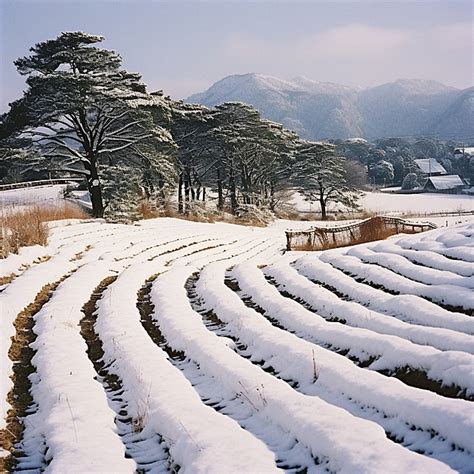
pixel 403 267
pixel 340 414
pixel 328 305
pixel 445 294
pixel 199 439
pixel 295 358
pixel 78 438
pixel 427 258
pixel 407 307
pixel 313 422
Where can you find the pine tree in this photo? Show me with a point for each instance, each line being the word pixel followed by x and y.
pixel 319 174
pixel 254 155
pixel 77 108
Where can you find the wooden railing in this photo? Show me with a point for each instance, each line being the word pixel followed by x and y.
pixel 368 230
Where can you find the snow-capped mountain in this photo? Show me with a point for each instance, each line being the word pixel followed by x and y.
pixel 327 110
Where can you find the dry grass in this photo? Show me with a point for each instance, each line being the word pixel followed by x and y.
pixel 7 279
pixel 146 211
pixel 28 226
pixel 19 397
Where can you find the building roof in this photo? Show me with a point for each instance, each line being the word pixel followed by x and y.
pixel 449 181
pixel 429 166
pixel 469 149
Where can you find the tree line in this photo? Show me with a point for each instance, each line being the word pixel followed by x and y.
pixel 83 114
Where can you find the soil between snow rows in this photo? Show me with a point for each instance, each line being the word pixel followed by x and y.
pixel 186 374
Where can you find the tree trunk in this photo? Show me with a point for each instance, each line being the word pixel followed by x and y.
pixel 233 193
pixel 186 195
pixel 180 194
pixel 272 196
pixel 322 203
pixel 220 195
pixel 95 191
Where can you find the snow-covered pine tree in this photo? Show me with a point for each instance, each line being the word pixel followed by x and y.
pixel 77 107
pixel 255 155
pixel 17 163
pixel 190 129
pixel 319 174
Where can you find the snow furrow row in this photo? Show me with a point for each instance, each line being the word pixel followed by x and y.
pixel 328 305
pixel 399 409
pixel 408 308
pixel 309 419
pixel 428 259
pixel 198 438
pixel 450 295
pixel 291 454
pixel 147 451
pixel 403 267
pixel 287 349
pixel 166 346
pixel 383 353
pixel 457 253
pixel 65 389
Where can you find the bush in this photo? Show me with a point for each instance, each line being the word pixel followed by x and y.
pixel 251 214
pixel 410 181
pixel 28 226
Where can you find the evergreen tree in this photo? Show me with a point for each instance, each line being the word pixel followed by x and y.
pixel 77 108
pixel 383 172
pixel 410 181
pixel 255 155
pixel 320 176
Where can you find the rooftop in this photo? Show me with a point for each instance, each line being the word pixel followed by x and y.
pixel 429 166
pixel 449 181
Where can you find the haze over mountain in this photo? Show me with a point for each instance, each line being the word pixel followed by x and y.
pixel 315 110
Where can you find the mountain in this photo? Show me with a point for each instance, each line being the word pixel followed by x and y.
pixel 317 110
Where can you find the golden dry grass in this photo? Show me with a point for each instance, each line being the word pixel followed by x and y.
pixel 146 211
pixel 28 226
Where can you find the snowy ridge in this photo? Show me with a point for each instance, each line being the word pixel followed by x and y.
pixel 200 359
pixel 406 107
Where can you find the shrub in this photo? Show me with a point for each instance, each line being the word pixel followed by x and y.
pixel 28 226
pixel 410 181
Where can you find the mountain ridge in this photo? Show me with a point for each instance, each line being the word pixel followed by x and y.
pixel 314 109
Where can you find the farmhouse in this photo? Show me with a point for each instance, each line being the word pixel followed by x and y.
pixel 430 167
pixel 447 183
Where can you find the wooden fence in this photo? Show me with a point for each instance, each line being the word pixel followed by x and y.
pixel 368 230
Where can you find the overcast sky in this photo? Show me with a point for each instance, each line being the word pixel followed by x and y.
pixel 185 46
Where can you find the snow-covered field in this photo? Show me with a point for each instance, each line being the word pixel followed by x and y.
pixel 15 199
pixel 425 203
pixel 203 346
pixel 421 204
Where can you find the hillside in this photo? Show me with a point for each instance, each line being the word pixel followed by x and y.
pixel 327 110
